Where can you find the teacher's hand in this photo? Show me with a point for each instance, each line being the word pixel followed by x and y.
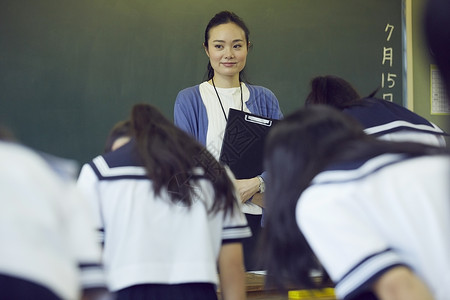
pixel 247 188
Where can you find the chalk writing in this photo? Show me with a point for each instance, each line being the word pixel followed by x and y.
pixel 388 78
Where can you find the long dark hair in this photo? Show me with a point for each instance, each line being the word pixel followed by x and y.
pixel 334 91
pixel 225 17
pixel 297 149
pixel 171 158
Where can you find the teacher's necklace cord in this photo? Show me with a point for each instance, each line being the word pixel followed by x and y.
pixel 220 101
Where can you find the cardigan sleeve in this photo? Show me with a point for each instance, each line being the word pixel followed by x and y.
pixel 263 102
pixel 190 113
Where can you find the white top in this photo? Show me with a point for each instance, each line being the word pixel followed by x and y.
pixel 230 98
pixel 361 221
pixel 46 229
pixel 147 238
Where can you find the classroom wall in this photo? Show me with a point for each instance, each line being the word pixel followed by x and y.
pixel 70 70
pixel 419 91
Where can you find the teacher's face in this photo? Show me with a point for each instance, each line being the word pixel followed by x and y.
pixel 227 49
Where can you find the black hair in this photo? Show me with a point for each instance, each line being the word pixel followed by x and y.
pixel 120 129
pixel 171 158
pixel 333 91
pixel 225 17
pixel 297 149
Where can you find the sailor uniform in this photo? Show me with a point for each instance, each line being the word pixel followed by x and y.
pixel 390 121
pixel 147 238
pixel 363 218
pixel 46 232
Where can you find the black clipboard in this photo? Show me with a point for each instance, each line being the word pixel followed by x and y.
pixel 243 143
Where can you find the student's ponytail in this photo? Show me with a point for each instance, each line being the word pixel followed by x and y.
pixel 173 159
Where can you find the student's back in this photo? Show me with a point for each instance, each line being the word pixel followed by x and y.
pixel 46 231
pixel 383 119
pixel 168 213
pixel 392 122
pixel 146 234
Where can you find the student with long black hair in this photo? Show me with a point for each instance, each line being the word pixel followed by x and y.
pixel 375 214
pixel 169 213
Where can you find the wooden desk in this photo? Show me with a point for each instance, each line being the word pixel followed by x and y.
pixel 255 290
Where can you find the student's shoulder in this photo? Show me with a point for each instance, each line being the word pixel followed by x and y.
pixel 381 104
pixel 121 163
pixel 20 156
pixel 10 150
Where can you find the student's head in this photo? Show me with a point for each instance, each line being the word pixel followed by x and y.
pixel 331 90
pixel 437 31
pixel 226 44
pixel 119 135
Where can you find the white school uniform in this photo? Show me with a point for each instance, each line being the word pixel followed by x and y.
pixel 361 220
pixel 148 239
pixel 46 230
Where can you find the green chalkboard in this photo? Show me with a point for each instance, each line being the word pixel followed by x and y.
pixel 69 69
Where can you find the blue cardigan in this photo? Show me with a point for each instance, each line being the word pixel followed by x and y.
pixel 190 112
